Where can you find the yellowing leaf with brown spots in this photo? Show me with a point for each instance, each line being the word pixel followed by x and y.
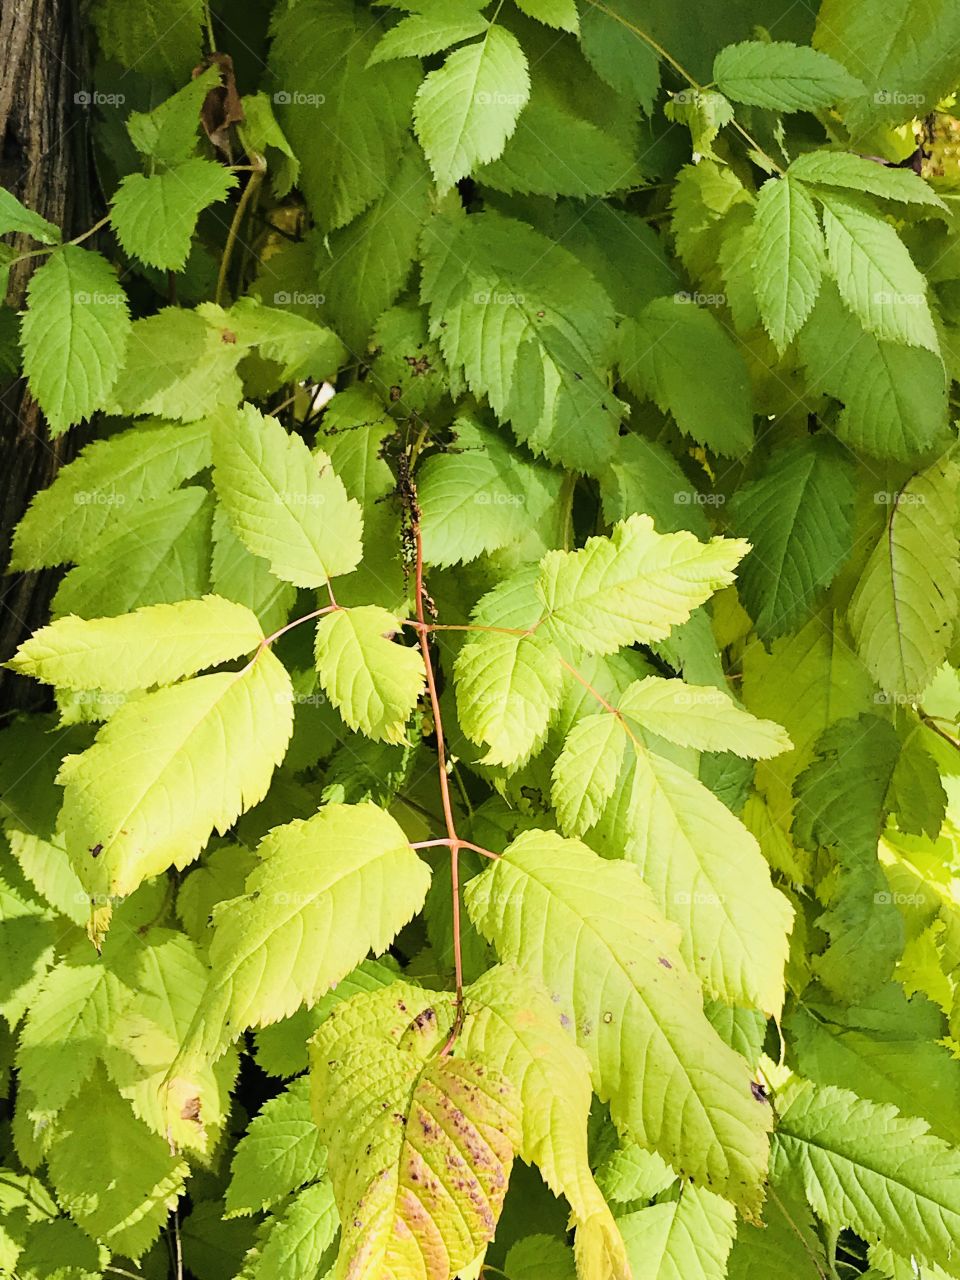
pixel 420 1145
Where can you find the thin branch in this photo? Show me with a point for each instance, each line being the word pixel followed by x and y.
pixel 256 177
pixel 455 842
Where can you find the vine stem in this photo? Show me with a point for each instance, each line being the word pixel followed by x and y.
pixel 258 169
pixel 461 844
pixel 455 843
pixel 684 74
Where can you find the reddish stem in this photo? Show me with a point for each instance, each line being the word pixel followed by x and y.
pixel 454 839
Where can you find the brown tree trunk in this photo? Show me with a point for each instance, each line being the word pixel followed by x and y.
pixel 45 162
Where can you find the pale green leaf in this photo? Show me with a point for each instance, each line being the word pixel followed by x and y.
pixel 169 768
pixel 164 547
pixel 155 645
pixel 613 964
pixel 15 217
pixel 586 770
pixel 531 329
pixel 280 1151
pixel 864 1166
pixel 514 1028
pixel 64 521
pixel 857 173
pixel 788 258
pixel 429 30
pixel 246 578
pixel 553 13
pixel 904 609
pixel 297 1242
pixel 178 366
pixel 345 122
pixel 687 1237
pixel 326 891
pixel 155 218
pixel 701 717
pixel 373 682
pixel 116 1179
pixel 284 504
pixel 632 587
pixel 875 274
pixel 75 332
pixel 894 397
pixel 782 76
pixel 466 111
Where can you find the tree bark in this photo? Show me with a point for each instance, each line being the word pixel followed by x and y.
pixel 45 161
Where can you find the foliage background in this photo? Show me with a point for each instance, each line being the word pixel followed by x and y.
pixel 541 415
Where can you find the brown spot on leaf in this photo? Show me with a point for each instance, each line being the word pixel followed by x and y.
pixel 665 962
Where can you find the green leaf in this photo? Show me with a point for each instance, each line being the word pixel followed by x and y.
pixel 875 274
pixel 561 14
pixel 284 504
pixel 372 682
pixel 657 352
pixel 701 717
pixel 531 329
pixel 689 1235
pixel 65 520
pixel 900 52
pixel 166 37
pixel 429 31
pixel 618 55
pixel 364 266
pixel 856 173
pixel 784 1244
pixel 632 587
pixel 798 515
pixel 301 348
pixel 480 495
pixel 707 875
pixel 155 645
pixel 586 770
pixel 894 397
pixel 17 218
pixel 168 133
pixel 280 1151
pixel 113 1176
pixel 508 684
pixel 67 1027
pixel 789 256
pixel 297 1242
pixel 644 477
pixel 420 1147
pixel 512 1027
pixel 245 578
pixel 169 768
pixel 345 122
pixel 178 366
pixel 880 1049
pixel 782 76
pixel 155 218
pixel 593 162
pixel 346 878
pixel 865 930
pixel 903 611
pixel 74 336
pixel 613 964
pixel 466 111
pixel 164 547
pixel 864 1166
pixel 260 133
pixel 540 1257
